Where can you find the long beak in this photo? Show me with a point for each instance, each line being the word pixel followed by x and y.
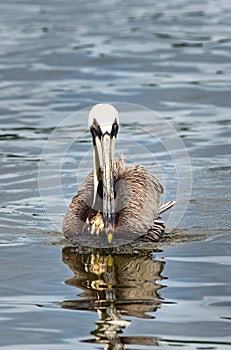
pixel 108 183
pixel 104 171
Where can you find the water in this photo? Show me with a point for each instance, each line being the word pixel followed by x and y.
pixel 57 58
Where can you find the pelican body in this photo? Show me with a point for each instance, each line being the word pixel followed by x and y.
pixel 115 202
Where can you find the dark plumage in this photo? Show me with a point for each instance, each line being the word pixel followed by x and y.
pixel 137 205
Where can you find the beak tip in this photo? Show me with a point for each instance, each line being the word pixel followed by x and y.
pixel 109 237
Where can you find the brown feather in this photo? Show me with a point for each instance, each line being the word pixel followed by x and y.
pixel 137 204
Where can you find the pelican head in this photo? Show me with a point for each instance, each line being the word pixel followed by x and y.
pixel 104 123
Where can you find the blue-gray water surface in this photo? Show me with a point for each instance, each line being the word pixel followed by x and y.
pixel 171 57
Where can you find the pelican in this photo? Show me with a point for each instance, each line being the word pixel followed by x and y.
pixel 115 201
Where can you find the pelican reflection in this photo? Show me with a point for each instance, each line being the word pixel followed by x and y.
pixel 117 287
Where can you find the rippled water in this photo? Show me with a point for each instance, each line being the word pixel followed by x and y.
pixel 58 57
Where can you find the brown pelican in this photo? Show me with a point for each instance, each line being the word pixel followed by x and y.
pixel 115 201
